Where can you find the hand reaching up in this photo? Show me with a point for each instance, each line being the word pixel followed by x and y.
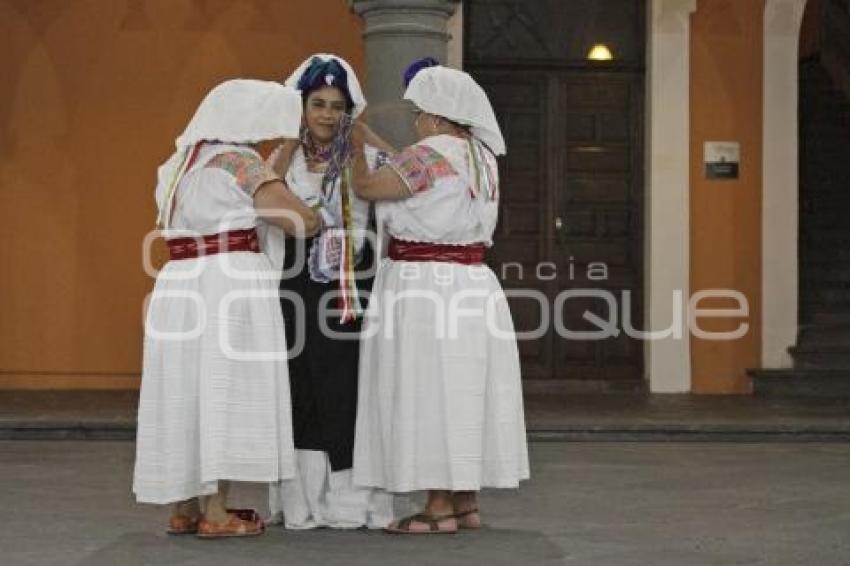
pixel 281 157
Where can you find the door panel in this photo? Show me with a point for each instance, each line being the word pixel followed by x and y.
pixel 571 183
pixel 599 192
pixel 574 161
pixel 522 105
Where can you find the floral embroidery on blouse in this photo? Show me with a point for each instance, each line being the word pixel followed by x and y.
pixel 250 171
pixel 419 167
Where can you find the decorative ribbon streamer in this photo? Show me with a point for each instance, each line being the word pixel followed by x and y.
pixel 167 210
pixel 349 297
pixel 484 180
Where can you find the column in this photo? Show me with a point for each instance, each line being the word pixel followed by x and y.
pixel 668 364
pixel 780 196
pixel 398 32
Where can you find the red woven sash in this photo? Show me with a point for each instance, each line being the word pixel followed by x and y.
pixel 234 241
pixel 401 250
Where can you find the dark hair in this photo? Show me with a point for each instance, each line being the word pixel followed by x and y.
pixel 417 66
pixel 321 73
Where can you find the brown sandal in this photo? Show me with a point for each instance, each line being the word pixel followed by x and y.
pixel 182 525
pixel 402 527
pixel 240 523
pixel 465 519
pixel 246 514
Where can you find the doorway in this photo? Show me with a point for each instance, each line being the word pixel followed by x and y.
pixel 571 218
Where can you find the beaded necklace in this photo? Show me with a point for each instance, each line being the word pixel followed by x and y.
pixel 316 154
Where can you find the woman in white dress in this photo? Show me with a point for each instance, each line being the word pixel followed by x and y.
pixel 331 270
pixel 440 401
pixel 214 403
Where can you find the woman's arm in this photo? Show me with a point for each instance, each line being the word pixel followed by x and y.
pixel 276 204
pixel 281 159
pixel 383 184
pixel 369 137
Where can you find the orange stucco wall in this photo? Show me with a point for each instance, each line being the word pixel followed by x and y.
pixel 726 105
pixel 92 95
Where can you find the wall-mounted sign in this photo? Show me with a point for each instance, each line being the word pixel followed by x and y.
pixel 722 160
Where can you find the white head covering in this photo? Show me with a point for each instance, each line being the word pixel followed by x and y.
pixel 245 111
pixel 455 95
pixel 354 89
pixel 236 111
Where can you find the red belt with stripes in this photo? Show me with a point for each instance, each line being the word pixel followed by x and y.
pixel 233 241
pixel 401 250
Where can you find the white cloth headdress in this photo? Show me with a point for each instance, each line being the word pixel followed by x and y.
pixel 455 95
pixel 354 89
pixel 236 111
pixel 245 111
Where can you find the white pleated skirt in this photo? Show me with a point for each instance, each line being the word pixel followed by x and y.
pixel 214 402
pixel 440 398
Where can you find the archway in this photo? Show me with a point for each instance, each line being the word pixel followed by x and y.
pixel 824 166
pixel 806 270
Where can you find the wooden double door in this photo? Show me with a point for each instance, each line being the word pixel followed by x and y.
pixel 568 247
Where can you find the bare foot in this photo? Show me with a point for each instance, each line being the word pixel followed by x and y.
pixel 184 518
pixel 466 510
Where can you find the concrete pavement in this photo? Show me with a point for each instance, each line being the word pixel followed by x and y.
pixel 607 504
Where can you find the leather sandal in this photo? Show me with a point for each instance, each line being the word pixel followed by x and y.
pixel 246 514
pixel 403 526
pixel 469 519
pixel 182 525
pixel 240 523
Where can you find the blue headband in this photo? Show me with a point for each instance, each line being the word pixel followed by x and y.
pixel 417 66
pixel 320 73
